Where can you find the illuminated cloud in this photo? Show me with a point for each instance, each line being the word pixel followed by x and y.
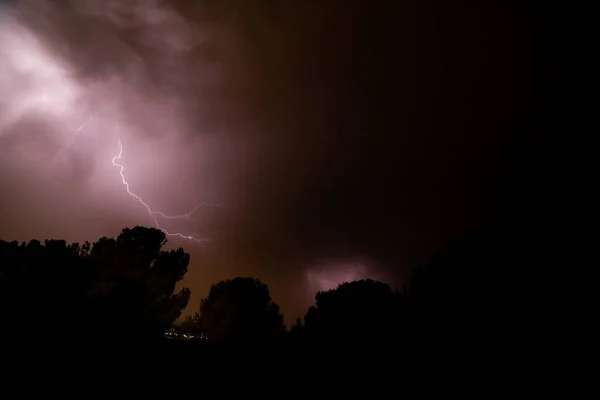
pixel 327 274
pixel 71 100
pixel 33 81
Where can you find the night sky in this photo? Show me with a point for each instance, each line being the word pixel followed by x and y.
pixel 340 139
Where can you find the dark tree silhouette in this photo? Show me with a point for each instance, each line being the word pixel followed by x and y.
pixel 364 308
pixel 47 280
pixel 117 286
pixel 239 308
pixel 136 280
pixel 466 284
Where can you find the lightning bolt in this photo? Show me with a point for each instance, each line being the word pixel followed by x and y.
pixel 156 214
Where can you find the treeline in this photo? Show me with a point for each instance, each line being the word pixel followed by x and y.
pixel 94 315
pixel 125 288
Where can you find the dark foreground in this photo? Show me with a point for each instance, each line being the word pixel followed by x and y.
pixel 279 366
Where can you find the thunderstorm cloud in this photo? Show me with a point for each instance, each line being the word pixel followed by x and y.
pixel 334 151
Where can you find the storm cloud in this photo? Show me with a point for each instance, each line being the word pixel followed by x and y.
pixel 325 130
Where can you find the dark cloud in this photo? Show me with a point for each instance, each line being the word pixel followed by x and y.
pixel 326 129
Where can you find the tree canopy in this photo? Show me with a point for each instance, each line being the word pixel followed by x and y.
pixel 355 309
pixel 239 308
pixel 125 284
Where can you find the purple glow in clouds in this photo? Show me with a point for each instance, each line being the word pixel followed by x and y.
pixel 327 274
pixel 60 101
